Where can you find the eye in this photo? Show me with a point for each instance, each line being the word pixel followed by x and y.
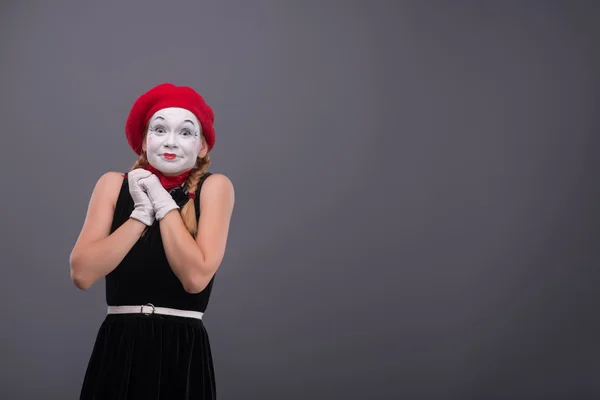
pixel 159 129
pixel 186 132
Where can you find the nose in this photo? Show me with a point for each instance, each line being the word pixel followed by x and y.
pixel 171 142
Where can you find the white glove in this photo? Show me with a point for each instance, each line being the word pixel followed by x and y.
pixel 160 198
pixel 143 210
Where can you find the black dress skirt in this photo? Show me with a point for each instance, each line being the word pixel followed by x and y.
pixel 138 356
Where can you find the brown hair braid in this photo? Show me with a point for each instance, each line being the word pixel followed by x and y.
pixel 141 162
pixel 188 212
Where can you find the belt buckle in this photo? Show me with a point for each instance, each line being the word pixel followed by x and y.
pixel 147 305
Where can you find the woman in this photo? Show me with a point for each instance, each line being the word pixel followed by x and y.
pixel 158 235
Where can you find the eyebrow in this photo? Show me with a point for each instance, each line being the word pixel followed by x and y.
pixel 184 121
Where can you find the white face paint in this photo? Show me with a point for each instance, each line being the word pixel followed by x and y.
pixel 173 140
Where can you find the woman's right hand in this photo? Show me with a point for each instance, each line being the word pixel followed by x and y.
pixel 143 210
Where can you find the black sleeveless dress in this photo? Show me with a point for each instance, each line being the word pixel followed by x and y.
pixel 157 357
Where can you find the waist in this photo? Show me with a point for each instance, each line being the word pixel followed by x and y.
pixel 150 309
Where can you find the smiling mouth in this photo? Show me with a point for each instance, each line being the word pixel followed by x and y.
pixel 169 156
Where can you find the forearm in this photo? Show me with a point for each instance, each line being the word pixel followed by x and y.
pixel 185 257
pixel 95 260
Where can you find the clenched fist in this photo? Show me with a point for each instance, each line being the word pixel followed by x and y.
pixel 143 210
pixel 159 197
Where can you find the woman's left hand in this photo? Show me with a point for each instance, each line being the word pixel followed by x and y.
pixel 160 198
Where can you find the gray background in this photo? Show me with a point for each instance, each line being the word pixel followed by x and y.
pixel 417 186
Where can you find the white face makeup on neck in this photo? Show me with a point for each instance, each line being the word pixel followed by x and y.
pixel 173 141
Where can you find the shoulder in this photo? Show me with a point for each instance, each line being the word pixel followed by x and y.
pixel 219 181
pixel 218 188
pixel 111 179
pixel 109 185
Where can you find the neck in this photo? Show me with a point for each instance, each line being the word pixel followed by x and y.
pixel 171 181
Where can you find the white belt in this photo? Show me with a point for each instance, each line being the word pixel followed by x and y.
pixel 149 309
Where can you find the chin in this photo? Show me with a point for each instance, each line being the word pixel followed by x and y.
pixel 169 168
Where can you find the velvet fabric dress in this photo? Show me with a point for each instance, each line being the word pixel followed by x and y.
pixel 158 357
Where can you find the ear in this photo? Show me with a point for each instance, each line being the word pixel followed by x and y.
pixel 204 150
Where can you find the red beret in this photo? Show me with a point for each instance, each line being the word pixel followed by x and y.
pixel 163 96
